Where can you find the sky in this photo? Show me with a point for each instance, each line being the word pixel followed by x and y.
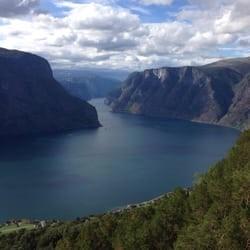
pixel 127 34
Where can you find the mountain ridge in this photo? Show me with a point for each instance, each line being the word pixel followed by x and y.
pixel 86 85
pixel 33 102
pixel 197 93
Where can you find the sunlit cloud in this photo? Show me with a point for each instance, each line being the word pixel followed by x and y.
pixel 112 34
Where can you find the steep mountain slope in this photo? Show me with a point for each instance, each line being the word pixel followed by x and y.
pixel 213 214
pixel 206 93
pixel 32 101
pixel 86 85
pixel 238 114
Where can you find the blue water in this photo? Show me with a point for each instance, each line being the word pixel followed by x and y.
pixel 128 160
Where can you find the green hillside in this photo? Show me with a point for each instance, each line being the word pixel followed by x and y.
pixel 214 214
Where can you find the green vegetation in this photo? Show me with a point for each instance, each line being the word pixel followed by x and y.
pixel 214 215
pixel 16 225
pixel 13 228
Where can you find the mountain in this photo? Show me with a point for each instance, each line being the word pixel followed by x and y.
pixel 33 102
pixel 86 85
pixel 213 214
pixel 117 74
pixel 216 93
pixel 238 114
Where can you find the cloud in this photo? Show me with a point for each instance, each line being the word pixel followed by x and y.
pixel 140 10
pixel 104 34
pixel 109 42
pixel 87 34
pixel 165 38
pixel 101 17
pixel 12 8
pixel 244 42
pixel 156 2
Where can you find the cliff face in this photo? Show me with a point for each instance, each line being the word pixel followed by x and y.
pixel 238 114
pixel 33 102
pixel 216 93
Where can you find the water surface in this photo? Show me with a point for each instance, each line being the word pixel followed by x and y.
pixel 128 160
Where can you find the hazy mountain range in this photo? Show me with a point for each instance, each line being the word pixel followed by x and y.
pixel 86 84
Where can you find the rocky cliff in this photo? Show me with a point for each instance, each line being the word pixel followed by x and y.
pixel 216 93
pixel 33 102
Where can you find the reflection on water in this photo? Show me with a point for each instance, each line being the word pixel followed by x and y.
pixel 128 160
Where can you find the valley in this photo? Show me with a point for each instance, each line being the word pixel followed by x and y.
pixel 128 160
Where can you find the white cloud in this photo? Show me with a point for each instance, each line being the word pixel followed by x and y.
pixel 156 2
pixel 101 17
pixel 165 38
pixel 88 34
pixel 107 35
pixel 140 10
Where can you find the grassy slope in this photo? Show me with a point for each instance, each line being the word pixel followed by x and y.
pixel 214 215
pixel 14 228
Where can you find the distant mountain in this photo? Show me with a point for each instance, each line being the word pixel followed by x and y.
pixel 86 85
pixel 33 102
pixel 217 93
pixel 117 74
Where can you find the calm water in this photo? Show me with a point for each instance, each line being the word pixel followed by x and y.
pixel 129 159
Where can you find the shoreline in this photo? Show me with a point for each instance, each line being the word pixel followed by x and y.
pixel 179 119
pixel 152 201
pixel 115 210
